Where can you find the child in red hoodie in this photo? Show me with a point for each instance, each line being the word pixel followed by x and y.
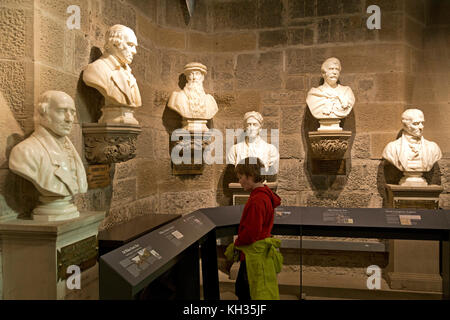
pixel 257 218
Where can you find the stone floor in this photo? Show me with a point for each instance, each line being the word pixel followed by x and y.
pixel 316 285
pixel 319 286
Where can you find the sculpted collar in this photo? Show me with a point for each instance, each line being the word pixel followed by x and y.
pixel 50 144
pixel 114 63
pixel 57 157
pixel 412 139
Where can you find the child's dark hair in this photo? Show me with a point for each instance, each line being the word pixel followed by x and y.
pixel 251 167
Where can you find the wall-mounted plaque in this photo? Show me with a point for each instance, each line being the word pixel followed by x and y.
pixel 98 176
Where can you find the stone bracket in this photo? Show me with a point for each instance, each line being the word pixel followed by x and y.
pixel 107 143
pixel 328 149
pixel 193 143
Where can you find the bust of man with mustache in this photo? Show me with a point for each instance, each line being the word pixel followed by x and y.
pixel 111 76
pixel 192 103
pixel 330 100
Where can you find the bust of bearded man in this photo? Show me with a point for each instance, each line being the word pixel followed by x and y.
pixel 192 103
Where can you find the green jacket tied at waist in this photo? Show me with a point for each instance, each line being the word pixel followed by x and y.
pixel 263 261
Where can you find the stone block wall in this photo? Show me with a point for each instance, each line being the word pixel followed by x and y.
pixel 261 55
pixel 431 86
pixel 278 60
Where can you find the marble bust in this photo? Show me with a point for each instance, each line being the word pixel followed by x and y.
pixel 412 153
pixel 331 101
pixel 255 146
pixel 192 103
pixel 49 160
pixel 111 76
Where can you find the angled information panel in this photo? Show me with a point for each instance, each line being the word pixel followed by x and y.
pixel 288 216
pixel 231 215
pixel 130 268
pixel 375 218
pixel 224 216
pixel 406 223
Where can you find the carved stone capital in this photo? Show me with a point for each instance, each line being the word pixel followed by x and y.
pixel 329 145
pixel 110 143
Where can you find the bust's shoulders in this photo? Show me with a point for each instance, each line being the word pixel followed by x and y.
pixel 393 144
pixel 27 149
pixel 344 88
pixel 315 89
pixel 431 143
pixel 98 66
pixel 178 96
pixel 210 96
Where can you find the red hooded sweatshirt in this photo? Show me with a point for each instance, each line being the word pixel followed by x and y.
pixel 257 219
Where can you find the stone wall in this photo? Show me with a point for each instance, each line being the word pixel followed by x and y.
pixel 272 70
pixel 431 87
pixel 261 55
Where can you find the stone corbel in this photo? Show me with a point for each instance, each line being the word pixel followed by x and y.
pixel 190 146
pixel 328 150
pixel 107 143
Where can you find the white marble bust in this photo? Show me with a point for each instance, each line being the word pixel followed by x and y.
pixel 412 153
pixel 111 76
pixel 331 101
pixel 49 160
pixel 193 103
pixel 254 146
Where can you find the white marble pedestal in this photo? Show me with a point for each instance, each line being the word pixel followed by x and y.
pixel 414 264
pixel 35 254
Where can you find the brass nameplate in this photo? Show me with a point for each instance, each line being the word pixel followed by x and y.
pixel 98 176
pixel 416 204
pixel 82 254
pixel 239 199
pixel 328 167
pixel 182 169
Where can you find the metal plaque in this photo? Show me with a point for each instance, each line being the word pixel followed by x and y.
pixel 82 254
pixel 186 169
pixel 328 167
pixel 98 176
pixel 416 204
pixel 239 199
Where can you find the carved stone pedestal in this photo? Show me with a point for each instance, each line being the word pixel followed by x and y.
pixel 328 149
pixel 424 197
pixel 36 255
pixel 414 264
pixel 240 196
pixel 107 143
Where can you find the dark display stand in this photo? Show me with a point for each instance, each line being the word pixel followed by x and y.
pixel 339 222
pixel 123 233
pixel 125 272
pixel 201 228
